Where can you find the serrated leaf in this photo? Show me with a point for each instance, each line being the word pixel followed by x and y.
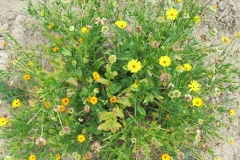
pixel 118 112
pixel 125 101
pixel 109 125
pixel 107 115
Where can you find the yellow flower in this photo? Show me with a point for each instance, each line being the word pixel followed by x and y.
pixel 121 24
pixel 113 99
pixel 238 34
pixel 62 108
pixel 55 49
pixel 50 26
pixel 197 101
pixel 81 138
pixel 47 105
pixel 187 67
pixel 196 19
pixel 134 66
pixel 194 86
pixel 58 156
pixel 93 100
pixel 32 157
pixel 89 99
pixel 65 101
pixel 172 14
pixel 226 40
pixel 26 77
pixel 85 157
pixel 164 61
pixel 232 112
pixel 96 76
pixel 217 158
pixel 84 30
pixel 166 156
pixel 80 40
pixel 42 13
pixel 30 64
pixel 4 43
pixel 167 117
pixel 178 1
pixel 16 103
pixel 135 84
pixel 3 121
pixel 180 68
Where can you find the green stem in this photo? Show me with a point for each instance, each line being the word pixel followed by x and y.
pixel 42 130
pixel 34 116
pixel 59 118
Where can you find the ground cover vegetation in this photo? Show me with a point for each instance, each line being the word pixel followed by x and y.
pixel 125 80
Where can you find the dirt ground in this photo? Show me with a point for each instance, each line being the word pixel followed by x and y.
pixel 226 20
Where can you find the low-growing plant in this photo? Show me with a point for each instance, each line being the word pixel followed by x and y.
pixel 125 80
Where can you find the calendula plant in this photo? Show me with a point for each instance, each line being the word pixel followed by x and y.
pixel 125 80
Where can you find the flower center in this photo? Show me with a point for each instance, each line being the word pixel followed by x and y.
pixel 172 14
pixel 133 66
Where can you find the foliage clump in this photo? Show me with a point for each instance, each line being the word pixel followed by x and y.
pixel 124 81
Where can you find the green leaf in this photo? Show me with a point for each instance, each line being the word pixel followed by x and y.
pixel 125 67
pixel 72 81
pixel 109 125
pixel 125 101
pixel 84 92
pixel 118 112
pixel 125 91
pixel 141 110
pixel 107 115
pixel 148 98
pixel 98 64
pixel 66 52
pixel 114 88
pixel 104 81
pixel 2 86
pixel 52 131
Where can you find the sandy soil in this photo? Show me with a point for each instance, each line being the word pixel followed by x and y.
pixel 226 20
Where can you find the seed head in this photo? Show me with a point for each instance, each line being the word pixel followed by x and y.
pixel 187 97
pixel 154 44
pixel 96 147
pixel 41 141
pixel 66 130
pixel 164 77
pixel 138 29
pixel 87 108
